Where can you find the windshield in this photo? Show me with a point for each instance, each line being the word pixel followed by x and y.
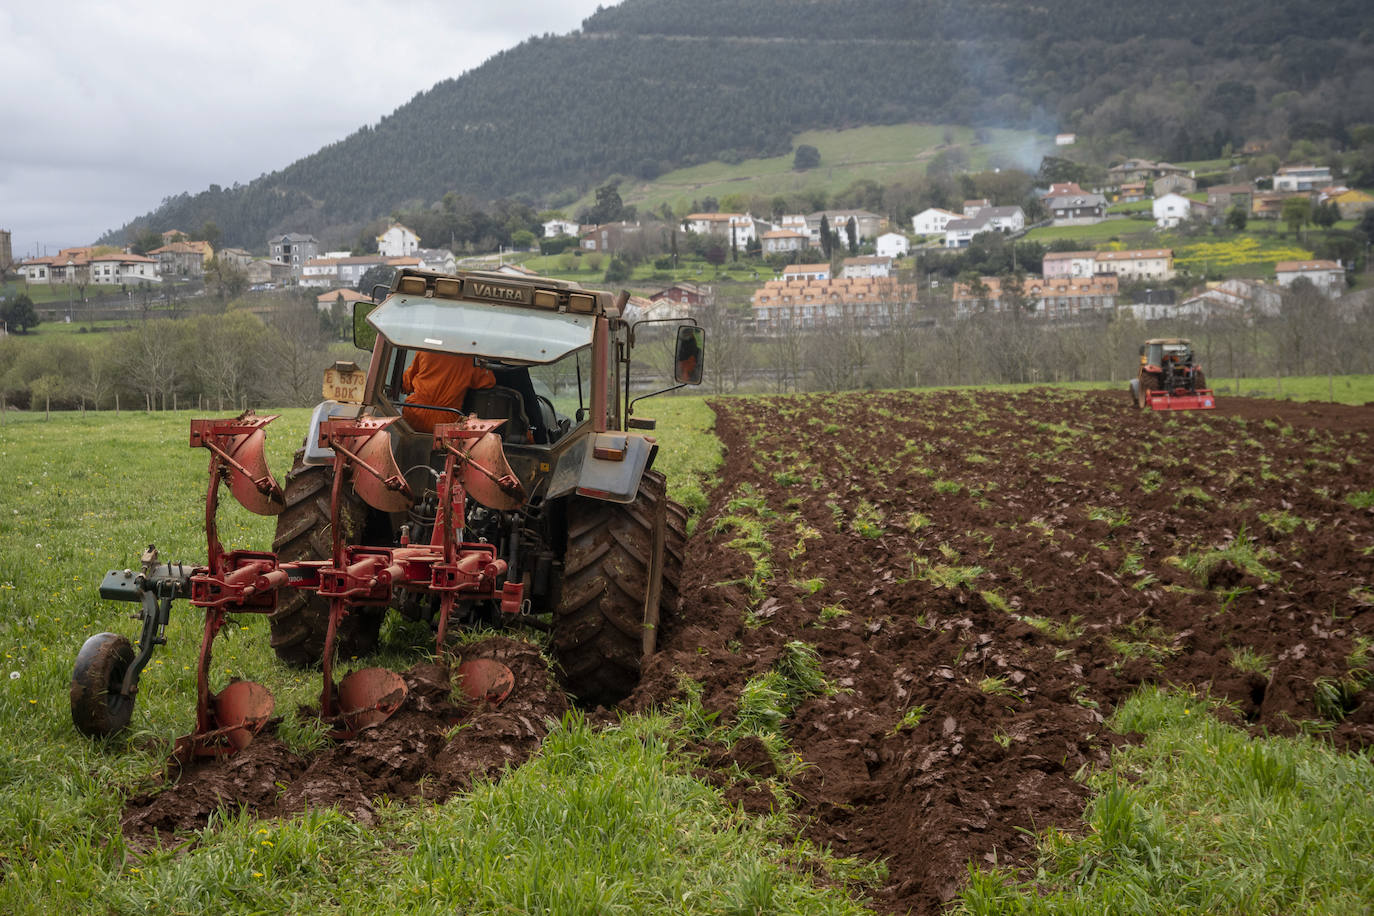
pixel 515 335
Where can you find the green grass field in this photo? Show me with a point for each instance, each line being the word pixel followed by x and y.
pixel 888 154
pixel 603 820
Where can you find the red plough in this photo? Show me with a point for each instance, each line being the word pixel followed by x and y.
pixel 243 581
pixel 1181 399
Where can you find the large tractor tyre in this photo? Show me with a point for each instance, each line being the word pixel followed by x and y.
pixel 1137 398
pixel 99 707
pixel 1199 380
pixel 302 617
pixel 1149 382
pixel 598 625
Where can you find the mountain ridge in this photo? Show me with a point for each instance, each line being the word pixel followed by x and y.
pixel 648 85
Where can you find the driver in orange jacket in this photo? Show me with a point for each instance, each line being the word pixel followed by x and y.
pixel 442 379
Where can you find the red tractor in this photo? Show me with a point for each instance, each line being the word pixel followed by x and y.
pixel 1169 379
pixel 536 503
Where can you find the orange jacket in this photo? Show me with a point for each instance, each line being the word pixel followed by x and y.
pixel 442 379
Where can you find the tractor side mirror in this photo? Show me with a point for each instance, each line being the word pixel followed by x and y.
pixel 688 355
pixel 364 334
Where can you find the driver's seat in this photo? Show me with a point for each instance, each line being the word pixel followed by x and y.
pixel 500 403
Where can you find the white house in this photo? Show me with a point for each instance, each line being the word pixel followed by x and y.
pixel 1302 178
pixel 932 220
pixel 1068 264
pixel 397 242
pixel 555 227
pixel 437 259
pixel 1327 276
pixel 891 245
pixel 123 268
pixel 866 266
pixel 738 227
pixel 1172 209
pixel 805 273
pixel 959 232
pixel 782 240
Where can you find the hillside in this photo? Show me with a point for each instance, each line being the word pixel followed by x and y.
pixel 649 86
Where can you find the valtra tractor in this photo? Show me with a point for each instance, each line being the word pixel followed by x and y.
pixel 533 502
pixel 1169 379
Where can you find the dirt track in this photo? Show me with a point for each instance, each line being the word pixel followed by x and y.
pixel 1012 563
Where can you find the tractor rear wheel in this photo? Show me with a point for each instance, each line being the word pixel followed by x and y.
pixel 302 618
pixel 99 706
pixel 1199 380
pixel 598 625
pixel 1148 382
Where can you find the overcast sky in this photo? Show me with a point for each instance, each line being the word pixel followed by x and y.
pixel 111 107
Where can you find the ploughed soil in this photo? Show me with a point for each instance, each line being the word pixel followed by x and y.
pixel 1009 565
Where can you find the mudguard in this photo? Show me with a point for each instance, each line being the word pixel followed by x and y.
pixel 604 466
pixel 314 454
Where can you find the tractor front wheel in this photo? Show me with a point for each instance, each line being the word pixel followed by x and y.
pixel 302 618
pixel 99 706
pixel 598 626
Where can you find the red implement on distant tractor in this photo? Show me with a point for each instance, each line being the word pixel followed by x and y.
pixel 1169 379
pixel 510 512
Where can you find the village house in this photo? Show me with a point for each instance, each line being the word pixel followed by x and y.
pixel 1174 184
pixel 1349 204
pixel 971 207
pixel 1058 297
pixel 1137 266
pixel 121 267
pixel 638 308
pixel 1235 298
pixel 776 241
pixel 237 258
pixel 293 249
pixel 1068 264
pixel 932 220
pixel 325 302
pixel 799 273
pixel 1302 178
pixel 1223 197
pixel 1065 139
pixel 959 232
pixel 1075 209
pixel 737 228
pixel 866 225
pixel 1141 169
pixel 1171 210
pixel 610 237
pixel 870 301
pixel 891 245
pixel 1131 191
pixel 397 242
pixel 557 227
pixel 866 266
pixel 184 260
pixel 263 273
pixel 691 295
pixel 437 259
pixel 1269 204
pixel 1326 276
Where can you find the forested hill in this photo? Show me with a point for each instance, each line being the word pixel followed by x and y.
pixel 650 85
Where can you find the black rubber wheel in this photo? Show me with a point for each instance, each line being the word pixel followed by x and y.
pixel 1136 397
pixel 98 707
pixel 1148 382
pixel 1199 380
pixel 598 625
pixel 302 618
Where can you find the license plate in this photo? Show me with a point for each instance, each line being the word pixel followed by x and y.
pixel 343 385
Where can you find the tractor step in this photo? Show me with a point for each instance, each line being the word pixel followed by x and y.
pixel 1181 399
